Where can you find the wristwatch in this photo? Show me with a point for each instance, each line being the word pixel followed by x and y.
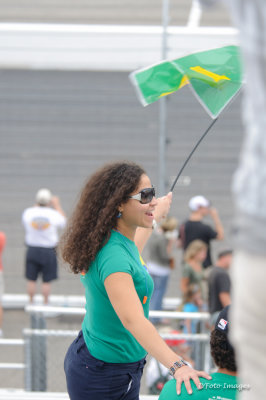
pixel 176 365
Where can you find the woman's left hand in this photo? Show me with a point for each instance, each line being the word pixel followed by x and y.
pixel 163 206
pixel 184 374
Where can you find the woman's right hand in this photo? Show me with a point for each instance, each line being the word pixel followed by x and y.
pixel 184 374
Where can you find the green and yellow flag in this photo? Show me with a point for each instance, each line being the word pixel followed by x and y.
pixel 215 76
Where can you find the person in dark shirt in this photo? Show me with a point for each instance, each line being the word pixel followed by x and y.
pixel 195 229
pixel 219 284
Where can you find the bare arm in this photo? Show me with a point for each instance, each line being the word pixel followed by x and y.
pixel 55 203
pixel 161 211
pixel 179 243
pixel 225 298
pixel 125 301
pixel 217 223
pixel 184 285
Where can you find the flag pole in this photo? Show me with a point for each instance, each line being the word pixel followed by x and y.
pixel 190 155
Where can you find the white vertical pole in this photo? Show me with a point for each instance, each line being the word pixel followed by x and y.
pixel 195 14
pixel 162 106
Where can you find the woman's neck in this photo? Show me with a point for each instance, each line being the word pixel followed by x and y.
pixel 226 371
pixel 125 230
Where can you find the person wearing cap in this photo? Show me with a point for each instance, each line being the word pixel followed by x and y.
pixel 219 284
pixel 41 224
pixel 224 384
pixel 161 260
pixel 194 228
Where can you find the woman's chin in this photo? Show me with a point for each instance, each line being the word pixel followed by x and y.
pixel 148 225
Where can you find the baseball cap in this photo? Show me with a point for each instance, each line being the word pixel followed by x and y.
pixel 43 197
pixel 198 201
pixel 222 324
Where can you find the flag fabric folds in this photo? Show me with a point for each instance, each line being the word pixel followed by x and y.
pixel 215 76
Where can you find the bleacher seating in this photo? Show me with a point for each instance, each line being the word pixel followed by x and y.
pixel 139 12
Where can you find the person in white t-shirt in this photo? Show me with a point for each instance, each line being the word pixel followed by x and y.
pixel 41 223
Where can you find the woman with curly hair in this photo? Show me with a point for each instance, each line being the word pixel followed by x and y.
pixel 110 225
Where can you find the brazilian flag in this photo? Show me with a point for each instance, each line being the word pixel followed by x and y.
pixel 215 76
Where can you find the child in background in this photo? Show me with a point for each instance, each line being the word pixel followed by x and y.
pixel 192 303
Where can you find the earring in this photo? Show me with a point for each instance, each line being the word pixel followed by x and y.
pixel 119 214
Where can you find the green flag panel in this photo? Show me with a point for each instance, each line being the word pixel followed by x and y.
pixel 215 76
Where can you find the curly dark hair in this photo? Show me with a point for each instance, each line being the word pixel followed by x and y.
pixel 96 212
pixel 223 353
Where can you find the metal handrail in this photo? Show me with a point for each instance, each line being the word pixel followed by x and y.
pixel 12 342
pixel 201 337
pixel 19 301
pixel 40 312
pixel 12 366
pixel 49 310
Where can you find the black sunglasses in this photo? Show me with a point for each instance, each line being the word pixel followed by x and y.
pixel 145 196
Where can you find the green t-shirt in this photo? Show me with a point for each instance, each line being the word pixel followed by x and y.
pixel 195 277
pixel 221 387
pixel 104 334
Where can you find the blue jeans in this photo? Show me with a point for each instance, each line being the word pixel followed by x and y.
pixel 160 286
pixel 91 379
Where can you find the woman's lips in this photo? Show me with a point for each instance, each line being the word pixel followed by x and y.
pixel 150 214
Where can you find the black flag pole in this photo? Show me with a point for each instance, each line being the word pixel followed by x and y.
pixel 190 155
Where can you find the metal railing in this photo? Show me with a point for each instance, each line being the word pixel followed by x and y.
pixel 38 334
pixel 20 301
pixel 36 348
pixel 12 342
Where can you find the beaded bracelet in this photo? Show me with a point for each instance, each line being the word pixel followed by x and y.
pixel 176 365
